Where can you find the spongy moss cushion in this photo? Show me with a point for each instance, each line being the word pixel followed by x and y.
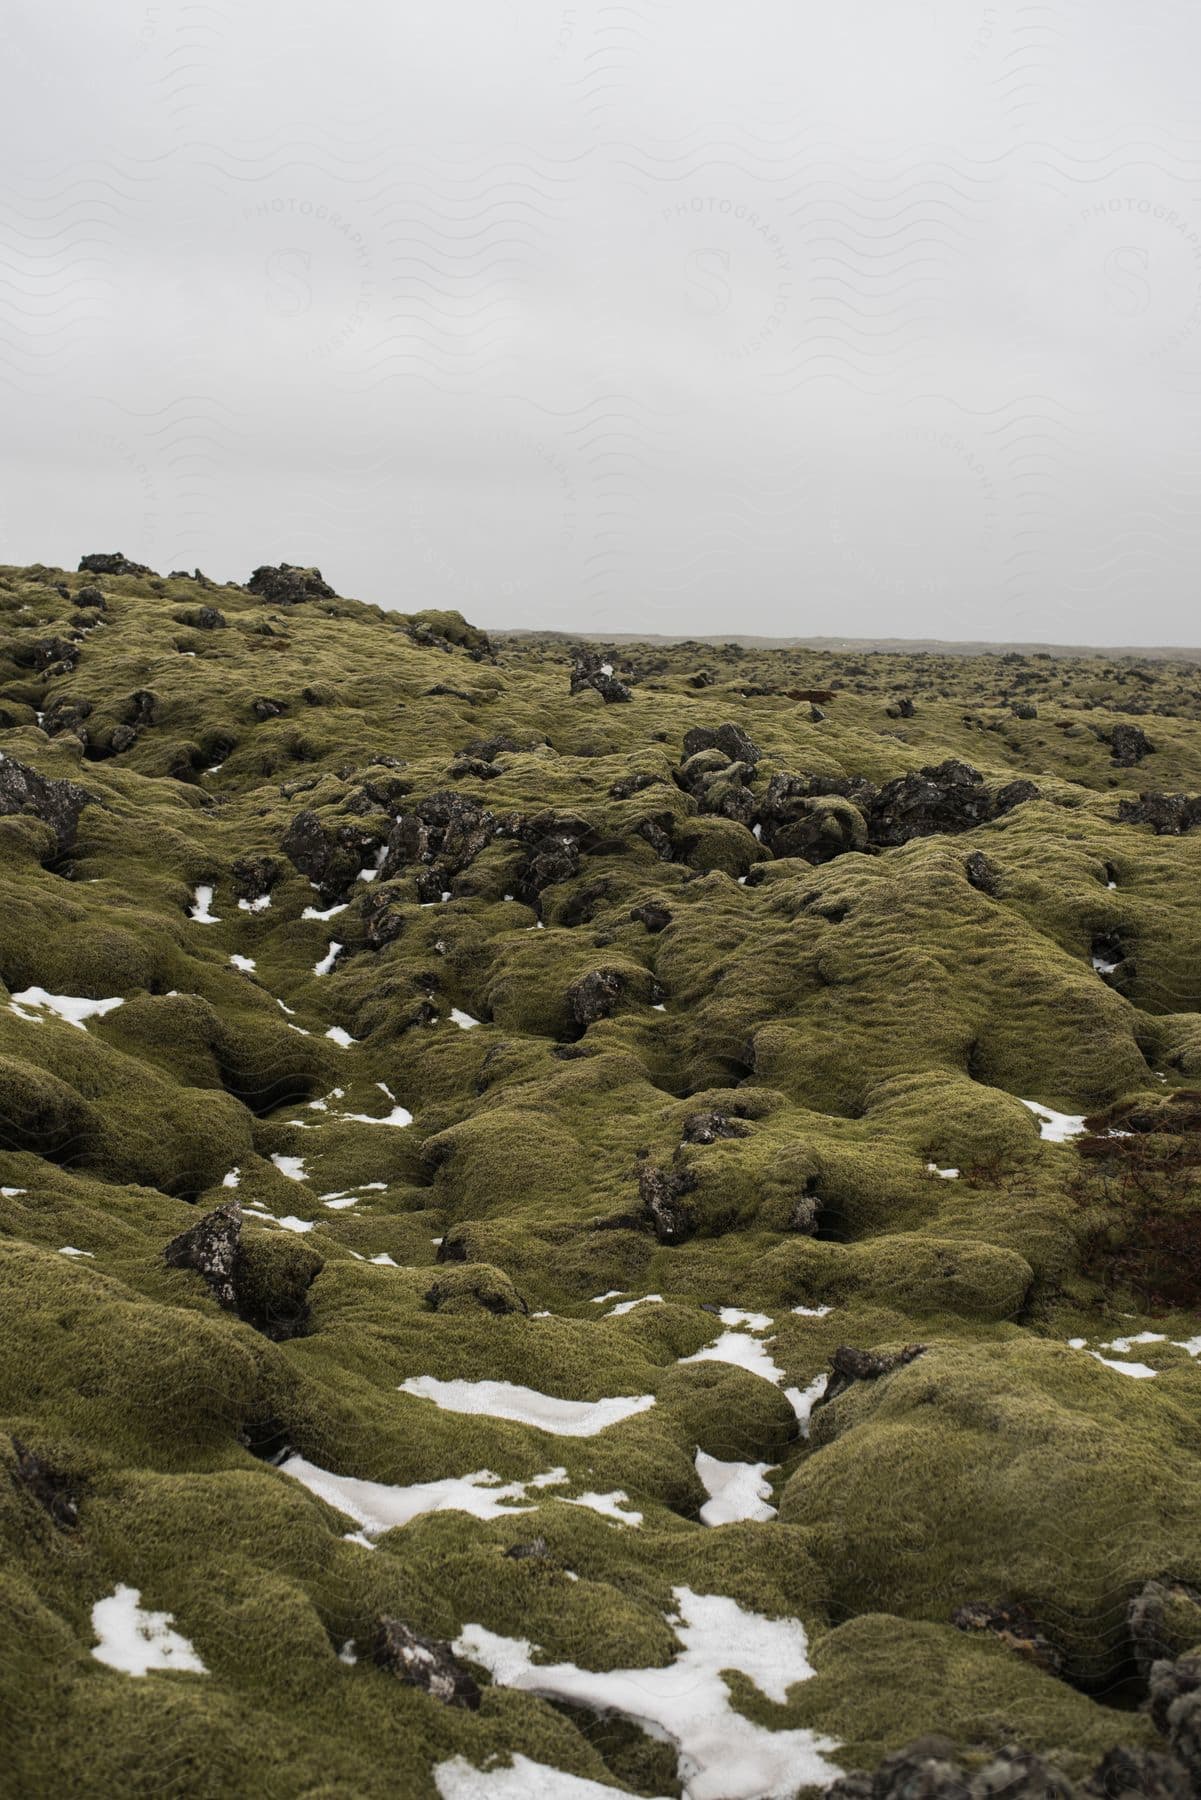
pixel 518 1033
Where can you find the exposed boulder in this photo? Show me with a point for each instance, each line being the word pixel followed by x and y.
pixel 210 1247
pixel 425 1663
pixel 330 856
pixel 708 1127
pixel 595 995
pixel 730 739
pixel 851 1365
pixel 662 1192
pixel 442 836
pixel 1169 815
pixel 1165 1621
pixel 588 671
pixel 90 595
pixel 254 876
pixel 1129 744
pixel 57 803
pixel 288 584
pixel 1175 1708
pixel 111 562
pixel 931 1769
pixel 949 797
pixel 981 873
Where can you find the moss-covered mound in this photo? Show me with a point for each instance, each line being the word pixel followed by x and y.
pixel 521 1162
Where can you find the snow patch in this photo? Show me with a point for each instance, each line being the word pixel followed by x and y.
pixel 135 1641
pixel 341 1036
pixel 258 905
pixel 521 1780
pixel 736 1490
pixel 291 1166
pixel 311 912
pixel 722 1754
pixel 463 1020
pixel 245 963
pixel 329 959
pixel 201 909
pixel 1055 1127
pixel 66 1006
pixel 526 1406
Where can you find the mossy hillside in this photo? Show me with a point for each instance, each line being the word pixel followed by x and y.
pixel 789 1053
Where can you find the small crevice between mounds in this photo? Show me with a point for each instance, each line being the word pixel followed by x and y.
pixel 56 803
pixel 265 1283
pixel 1175 1709
pixel 981 873
pixel 57 1494
pixel 850 1365
pixel 1169 815
pixel 288 584
pixel 662 1194
pixel 474 1287
pixel 381 911
pixel 425 1663
pixel 329 855
pixel 1015 1626
pixel 653 914
pixel 1129 744
pixel 111 562
pixel 1164 1619
pixel 442 835
pixel 930 1769
pixel 589 671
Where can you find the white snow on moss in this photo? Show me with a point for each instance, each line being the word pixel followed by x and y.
pixel 736 1490
pixel 65 1006
pixel 1139 1371
pixel 202 903
pixel 526 1406
pixel 377 1506
pixel 812 1312
pixel 627 1306
pixel 463 1020
pixel 341 1036
pixel 291 1166
pixel 744 1352
pixel 520 1780
pixel 330 912
pixel 135 1641
pixel 291 1223
pixel 247 964
pixel 260 904
pixel 944 1174
pixel 70 1250
pixel 1055 1127
pixel 329 959
pixel 721 1754
pixel 753 1321
pixel 801 1400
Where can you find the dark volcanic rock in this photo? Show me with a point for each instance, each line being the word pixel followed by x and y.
pixel 287 584
pixel 1168 814
pixel 382 913
pixel 57 803
pixel 57 1494
pixel 662 1192
pixel 588 671
pixel 90 595
pixel 442 835
pixel 254 876
pixel 1175 1708
pixel 708 1127
pixel 424 1663
pixel 111 562
pixel 930 1769
pixel 331 856
pixel 595 995
pixel 1129 744
pixel 850 1365
pixel 67 712
pixel 211 1248
pixel 981 873
pixel 1155 1633
pixel 949 797
pixel 731 740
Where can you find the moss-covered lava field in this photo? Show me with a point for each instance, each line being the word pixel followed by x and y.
pixel 591 1219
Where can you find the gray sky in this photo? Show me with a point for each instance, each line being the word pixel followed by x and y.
pixel 876 317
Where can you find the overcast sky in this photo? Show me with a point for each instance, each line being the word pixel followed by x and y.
pixel 853 318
